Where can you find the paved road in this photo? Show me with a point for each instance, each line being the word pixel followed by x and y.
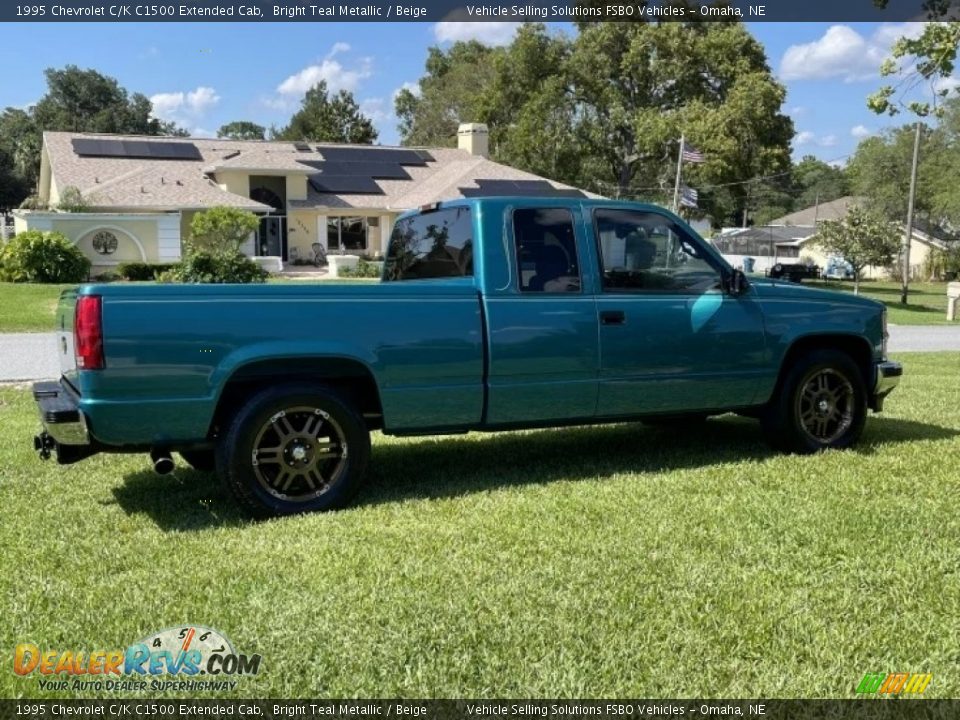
pixel 28 356
pixel 33 356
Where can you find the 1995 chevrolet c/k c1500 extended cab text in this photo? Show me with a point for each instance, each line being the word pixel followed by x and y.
pixel 492 314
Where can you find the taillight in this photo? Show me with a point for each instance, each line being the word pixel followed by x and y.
pixel 88 333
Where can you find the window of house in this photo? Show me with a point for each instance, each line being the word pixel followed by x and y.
pixel 347 233
pixel 436 244
pixel 647 252
pixel 546 250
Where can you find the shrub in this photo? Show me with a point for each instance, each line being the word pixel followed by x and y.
pixel 202 266
pixel 142 271
pixel 72 200
pixel 43 257
pixel 221 229
pixel 364 269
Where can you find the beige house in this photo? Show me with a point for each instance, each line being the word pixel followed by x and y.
pixel 141 193
pixel 791 239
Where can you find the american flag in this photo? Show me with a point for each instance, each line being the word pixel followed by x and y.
pixel 692 155
pixel 689 197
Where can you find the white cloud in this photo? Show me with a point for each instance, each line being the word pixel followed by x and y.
pixel 338 47
pixel 488 33
pixel 377 110
pixel 948 84
pixel 330 71
pixel 797 111
pixel 202 133
pixel 844 53
pixel 861 131
pixel 828 141
pixel 179 105
pixel 803 138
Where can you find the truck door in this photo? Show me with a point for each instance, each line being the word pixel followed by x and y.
pixel 671 339
pixel 542 328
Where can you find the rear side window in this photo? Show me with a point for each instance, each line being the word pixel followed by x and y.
pixel 546 250
pixel 432 245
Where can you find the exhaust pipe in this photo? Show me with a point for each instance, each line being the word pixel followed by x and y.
pixel 162 462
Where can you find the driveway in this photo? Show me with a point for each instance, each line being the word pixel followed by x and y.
pixel 28 356
pixel 33 356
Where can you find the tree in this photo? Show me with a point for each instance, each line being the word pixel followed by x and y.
pixel 928 58
pixel 323 117
pixel 221 229
pixel 76 100
pixel 605 110
pixel 242 130
pixel 862 238
pixel 454 90
pixel 816 181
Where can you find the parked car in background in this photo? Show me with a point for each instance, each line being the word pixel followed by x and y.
pixel 492 314
pixel 838 269
pixel 794 272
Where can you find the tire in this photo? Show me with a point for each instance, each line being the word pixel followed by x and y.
pixel 821 404
pixel 200 460
pixel 675 421
pixel 293 449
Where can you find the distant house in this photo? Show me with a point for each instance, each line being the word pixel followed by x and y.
pixel 791 239
pixel 142 192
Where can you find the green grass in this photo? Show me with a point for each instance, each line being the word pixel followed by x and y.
pixel 926 302
pixel 607 562
pixel 25 307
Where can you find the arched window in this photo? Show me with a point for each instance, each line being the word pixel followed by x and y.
pixel 267 197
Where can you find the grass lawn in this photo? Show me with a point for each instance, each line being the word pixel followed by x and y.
pixel 606 562
pixel 25 307
pixel 927 302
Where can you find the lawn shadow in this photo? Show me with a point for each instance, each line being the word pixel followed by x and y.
pixel 442 467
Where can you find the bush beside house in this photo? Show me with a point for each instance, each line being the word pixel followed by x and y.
pixel 213 253
pixel 42 257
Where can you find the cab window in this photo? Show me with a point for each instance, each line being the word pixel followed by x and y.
pixel 431 245
pixel 648 252
pixel 546 250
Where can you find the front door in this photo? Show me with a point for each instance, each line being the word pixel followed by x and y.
pixel 272 236
pixel 671 340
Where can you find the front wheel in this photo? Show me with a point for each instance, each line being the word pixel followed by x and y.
pixel 294 449
pixel 822 404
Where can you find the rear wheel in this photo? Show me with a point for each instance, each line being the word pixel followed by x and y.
pixel 822 404
pixel 294 449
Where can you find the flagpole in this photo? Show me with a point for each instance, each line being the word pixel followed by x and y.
pixel 676 188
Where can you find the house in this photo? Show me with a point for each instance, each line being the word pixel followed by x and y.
pixel 791 239
pixel 141 193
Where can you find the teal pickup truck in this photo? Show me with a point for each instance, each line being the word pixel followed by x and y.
pixel 492 314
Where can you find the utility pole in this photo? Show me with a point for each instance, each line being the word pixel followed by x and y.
pixel 908 237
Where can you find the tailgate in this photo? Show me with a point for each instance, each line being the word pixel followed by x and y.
pixel 65 316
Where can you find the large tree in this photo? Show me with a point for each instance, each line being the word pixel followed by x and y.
pixel 605 109
pixel 324 117
pixel 76 100
pixel 242 130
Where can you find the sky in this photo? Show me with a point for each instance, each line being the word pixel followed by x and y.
pixel 202 75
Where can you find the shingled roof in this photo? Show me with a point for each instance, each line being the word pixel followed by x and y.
pixel 158 183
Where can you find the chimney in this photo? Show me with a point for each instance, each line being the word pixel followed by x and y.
pixel 474 138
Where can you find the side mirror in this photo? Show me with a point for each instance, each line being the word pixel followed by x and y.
pixel 737 283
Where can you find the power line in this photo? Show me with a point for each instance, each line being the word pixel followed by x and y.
pixel 633 191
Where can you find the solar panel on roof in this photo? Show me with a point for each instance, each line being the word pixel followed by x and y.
pixel 143 149
pixel 301 147
pixel 424 155
pixel 360 169
pixel 345 184
pixel 521 188
pixel 371 155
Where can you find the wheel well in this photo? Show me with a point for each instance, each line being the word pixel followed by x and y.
pixel 351 378
pixel 857 348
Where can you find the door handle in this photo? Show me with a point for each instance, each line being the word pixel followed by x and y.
pixel 613 317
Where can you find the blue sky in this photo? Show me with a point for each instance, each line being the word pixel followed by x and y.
pixel 202 74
